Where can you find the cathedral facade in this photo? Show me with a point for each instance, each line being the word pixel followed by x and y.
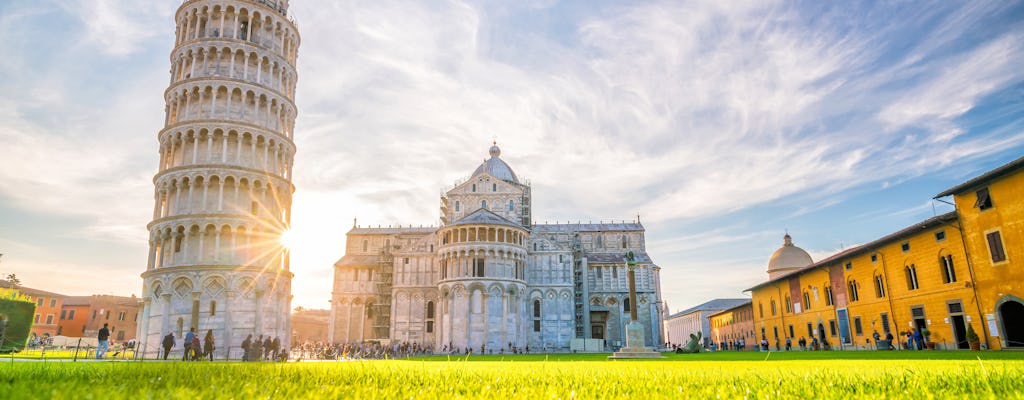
pixel 489 278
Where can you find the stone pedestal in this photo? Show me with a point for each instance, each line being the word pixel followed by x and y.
pixel 635 344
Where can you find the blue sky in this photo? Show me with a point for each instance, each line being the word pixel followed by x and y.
pixel 723 124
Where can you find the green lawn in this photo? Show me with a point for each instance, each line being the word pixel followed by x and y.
pixel 836 375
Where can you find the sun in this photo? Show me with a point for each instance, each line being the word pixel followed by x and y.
pixel 288 239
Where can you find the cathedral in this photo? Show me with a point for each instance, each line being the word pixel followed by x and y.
pixel 489 278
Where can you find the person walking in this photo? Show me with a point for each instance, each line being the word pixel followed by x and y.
pixel 918 339
pixel 247 348
pixel 208 345
pixel 276 347
pixel 168 344
pixel 267 344
pixel 188 344
pixel 104 339
pixel 789 343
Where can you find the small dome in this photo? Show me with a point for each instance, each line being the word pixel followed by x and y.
pixel 496 167
pixel 787 258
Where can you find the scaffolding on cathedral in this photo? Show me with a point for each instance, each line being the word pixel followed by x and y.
pixel 382 307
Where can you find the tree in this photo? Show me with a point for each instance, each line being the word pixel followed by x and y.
pixel 13 279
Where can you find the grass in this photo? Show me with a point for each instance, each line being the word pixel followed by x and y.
pixel 844 375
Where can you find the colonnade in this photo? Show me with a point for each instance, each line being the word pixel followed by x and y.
pixel 505 263
pixel 491 234
pixel 234 63
pixel 239 23
pixel 214 194
pixel 217 146
pixel 234 102
pixel 212 244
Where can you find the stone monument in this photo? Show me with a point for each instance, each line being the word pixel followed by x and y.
pixel 635 347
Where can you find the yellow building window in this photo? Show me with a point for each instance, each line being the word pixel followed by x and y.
pixel 995 246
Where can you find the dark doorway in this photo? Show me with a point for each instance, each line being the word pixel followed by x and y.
pixel 821 336
pixel 1011 313
pixel 919 321
pixel 960 332
pixel 598 321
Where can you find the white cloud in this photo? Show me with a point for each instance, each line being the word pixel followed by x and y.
pixel 672 110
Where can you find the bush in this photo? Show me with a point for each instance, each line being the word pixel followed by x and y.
pixel 972 336
pixel 16 314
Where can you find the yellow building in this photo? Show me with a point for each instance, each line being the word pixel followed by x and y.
pixel 733 328
pixel 940 275
pixel 991 210
pixel 915 278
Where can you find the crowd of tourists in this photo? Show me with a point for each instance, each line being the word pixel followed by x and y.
pixel 363 351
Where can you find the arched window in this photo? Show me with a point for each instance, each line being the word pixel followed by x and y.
pixel 181 325
pixel 774 307
pixel 600 241
pixel 536 315
pixel 511 205
pixel 625 304
pixel 474 187
pixel 483 204
pixel 213 308
pixel 911 277
pixel 494 187
pixel 625 241
pixel 456 206
pixel 366 245
pixel 430 317
pixel 854 295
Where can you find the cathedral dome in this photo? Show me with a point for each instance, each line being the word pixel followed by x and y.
pixel 787 258
pixel 495 167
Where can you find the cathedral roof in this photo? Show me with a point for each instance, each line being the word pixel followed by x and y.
pixel 484 217
pixel 359 260
pixel 391 230
pixel 616 258
pixel 588 227
pixel 495 167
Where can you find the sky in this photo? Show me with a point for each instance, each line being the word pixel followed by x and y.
pixel 723 125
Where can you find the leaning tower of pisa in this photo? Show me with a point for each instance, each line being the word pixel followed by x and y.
pixel 223 187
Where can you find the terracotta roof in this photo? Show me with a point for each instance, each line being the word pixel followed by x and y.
pixel 853 251
pixel 77 300
pixel 744 304
pixel 1007 168
pixel 29 291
